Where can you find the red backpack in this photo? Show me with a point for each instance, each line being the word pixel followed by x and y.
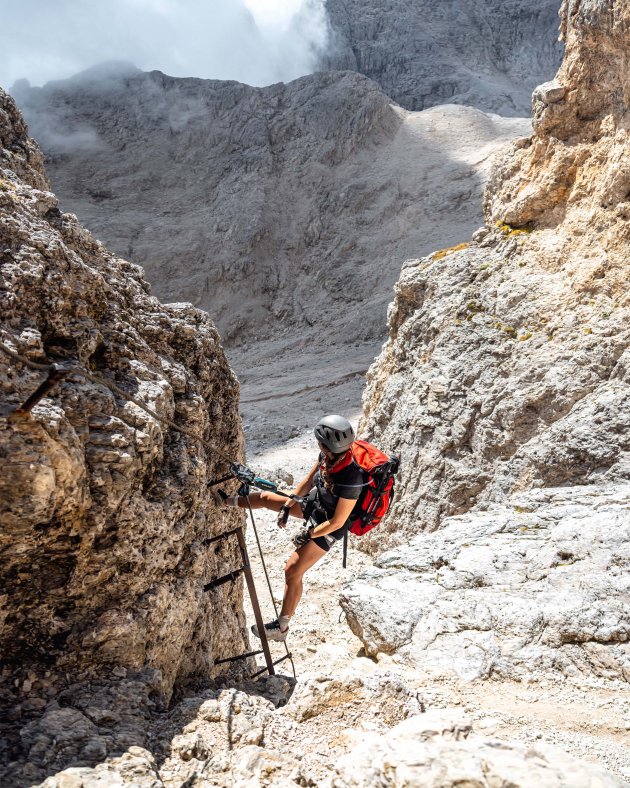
pixel 378 492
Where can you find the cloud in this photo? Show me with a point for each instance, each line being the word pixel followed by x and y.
pixel 258 42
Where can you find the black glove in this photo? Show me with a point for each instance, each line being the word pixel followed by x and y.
pixel 302 537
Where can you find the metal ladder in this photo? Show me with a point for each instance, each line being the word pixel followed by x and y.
pixel 245 569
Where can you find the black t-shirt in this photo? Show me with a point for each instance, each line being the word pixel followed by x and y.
pixel 347 483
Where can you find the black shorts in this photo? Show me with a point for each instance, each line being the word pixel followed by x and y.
pixel 313 512
pixel 326 542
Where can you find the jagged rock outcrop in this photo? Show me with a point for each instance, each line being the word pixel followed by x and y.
pixel 440 750
pixel 104 508
pixel 285 211
pixel 508 361
pixel 572 179
pixel 488 54
pixel 539 586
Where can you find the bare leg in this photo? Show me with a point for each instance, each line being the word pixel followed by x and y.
pixel 268 500
pixel 299 561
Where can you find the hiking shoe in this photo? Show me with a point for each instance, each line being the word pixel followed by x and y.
pixel 273 631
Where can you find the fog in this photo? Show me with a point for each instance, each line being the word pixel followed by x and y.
pixel 258 42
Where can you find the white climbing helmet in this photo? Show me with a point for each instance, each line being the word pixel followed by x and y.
pixel 335 433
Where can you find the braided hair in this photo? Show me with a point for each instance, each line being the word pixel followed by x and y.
pixel 326 467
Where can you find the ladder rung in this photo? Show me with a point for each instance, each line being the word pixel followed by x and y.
pixel 206 542
pixel 288 655
pixel 225 579
pixel 251 587
pixel 240 656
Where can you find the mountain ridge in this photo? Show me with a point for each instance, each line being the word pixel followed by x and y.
pixel 489 54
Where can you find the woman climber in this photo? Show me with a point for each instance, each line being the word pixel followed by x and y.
pixel 326 498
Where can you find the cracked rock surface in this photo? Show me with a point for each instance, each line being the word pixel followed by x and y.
pixel 284 211
pixel 440 750
pixel 350 719
pixel 104 508
pixel 507 363
pixel 274 208
pixel 488 54
pixel 506 371
pixel 260 736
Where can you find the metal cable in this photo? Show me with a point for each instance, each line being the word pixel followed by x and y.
pixel 262 560
pixel 77 370
pixel 26 361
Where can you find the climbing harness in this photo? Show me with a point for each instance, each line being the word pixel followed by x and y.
pixel 58 372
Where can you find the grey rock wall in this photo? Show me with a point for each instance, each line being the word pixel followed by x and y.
pixel 488 54
pixel 282 208
pixel 496 378
pixel 507 365
pixel 537 587
pixel 104 508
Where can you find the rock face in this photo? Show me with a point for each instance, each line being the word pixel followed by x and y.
pixel 440 750
pixel 573 175
pixel 512 593
pixel 286 206
pixel 507 365
pixel 285 211
pixel 104 508
pixel 488 54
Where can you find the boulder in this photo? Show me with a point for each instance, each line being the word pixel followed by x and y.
pixel 439 750
pixel 515 592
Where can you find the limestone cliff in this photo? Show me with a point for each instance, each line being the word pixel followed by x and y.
pixel 508 360
pixel 571 180
pixel 104 508
pixel 524 590
pixel 488 54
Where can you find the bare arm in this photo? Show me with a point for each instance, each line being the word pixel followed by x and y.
pixel 289 505
pixel 342 512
